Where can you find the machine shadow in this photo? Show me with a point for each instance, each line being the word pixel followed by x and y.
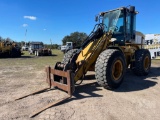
pixel 131 83
pixel 136 83
pixel 84 91
pixel 88 90
pixel 90 77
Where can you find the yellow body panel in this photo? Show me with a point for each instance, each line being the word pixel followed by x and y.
pixel 86 52
pixel 89 55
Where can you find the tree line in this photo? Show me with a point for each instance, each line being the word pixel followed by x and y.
pixel 76 37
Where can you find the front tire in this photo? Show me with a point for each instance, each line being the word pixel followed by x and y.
pixel 67 59
pixel 110 68
pixel 68 55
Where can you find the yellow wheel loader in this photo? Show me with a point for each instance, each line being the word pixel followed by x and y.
pixel 112 47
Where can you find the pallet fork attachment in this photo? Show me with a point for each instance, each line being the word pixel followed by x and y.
pixel 69 87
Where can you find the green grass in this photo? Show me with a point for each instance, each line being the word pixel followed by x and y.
pixel 32 60
pixel 40 62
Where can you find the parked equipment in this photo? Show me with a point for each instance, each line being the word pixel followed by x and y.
pixel 35 46
pixel 43 52
pixel 38 49
pixel 25 48
pixel 67 47
pixel 109 50
pixel 9 49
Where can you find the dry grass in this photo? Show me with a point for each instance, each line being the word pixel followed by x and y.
pixel 157 62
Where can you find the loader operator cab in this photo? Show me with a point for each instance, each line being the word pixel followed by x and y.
pixel 121 23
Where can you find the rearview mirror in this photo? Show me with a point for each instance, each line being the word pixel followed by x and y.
pixel 96 18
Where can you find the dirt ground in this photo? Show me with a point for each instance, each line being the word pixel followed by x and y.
pixel 137 98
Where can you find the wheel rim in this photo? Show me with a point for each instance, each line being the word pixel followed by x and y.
pixel 117 70
pixel 146 63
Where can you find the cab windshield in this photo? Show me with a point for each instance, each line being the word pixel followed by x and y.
pixel 111 21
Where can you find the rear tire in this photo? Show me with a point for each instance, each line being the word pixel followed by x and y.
pixel 110 68
pixel 142 64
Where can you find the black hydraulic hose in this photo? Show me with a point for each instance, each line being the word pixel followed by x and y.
pixel 80 80
pixel 93 35
pixel 90 38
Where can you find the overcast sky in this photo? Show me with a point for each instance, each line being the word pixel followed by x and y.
pixel 54 19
